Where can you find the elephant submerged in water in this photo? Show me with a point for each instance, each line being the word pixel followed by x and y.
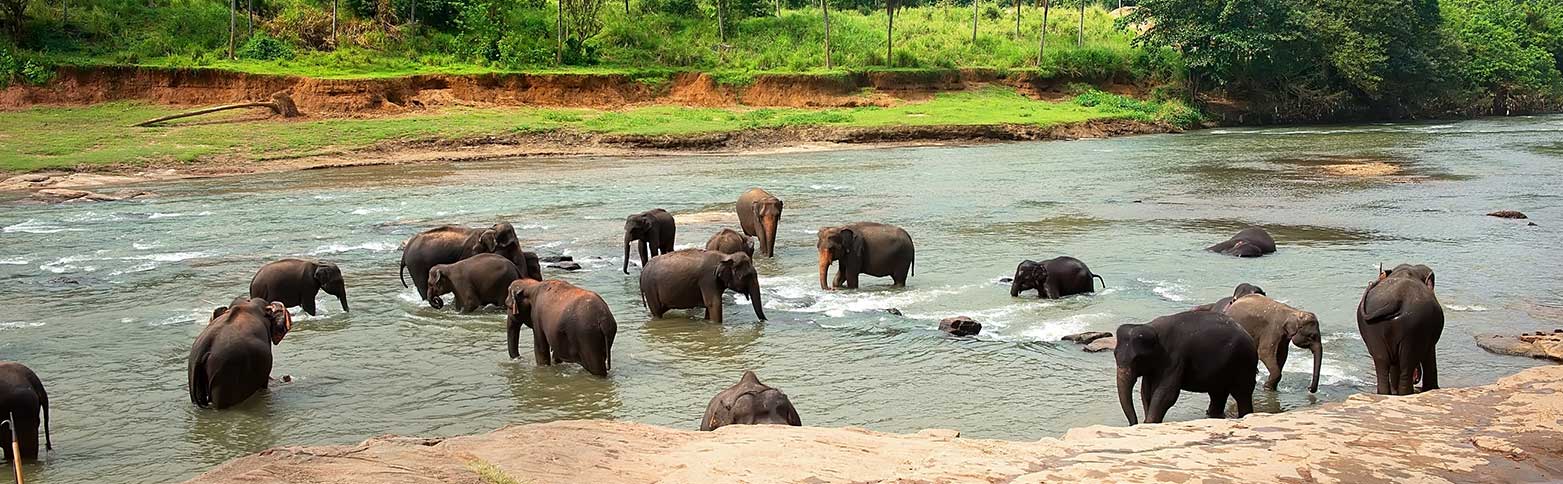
pixel 231 358
pixel 295 282
pixel 1249 242
pixel 875 249
pixel 476 281
pixel 450 244
pixel 22 396
pixel 1220 305
pixel 1054 278
pixel 749 403
pixel 1273 324
pixel 1400 320
pixel 694 277
pixel 759 213
pixel 1197 351
pixel 729 241
pixel 569 324
pixel 654 229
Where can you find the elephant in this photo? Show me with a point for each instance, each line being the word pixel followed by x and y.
pixel 1197 351
pixel 729 241
pixel 295 282
pixel 1054 278
pixel 21 397
pixel 1401 320
pixel 475 281
pixel 1220 305
pixel 696 277
pixel 569 324
pixel 449 244
pixel 1271 323
pixel 654 229
pixel 1249 242
pixel 231 358
pixel 875 249
pixel 759 213
pixel 749 403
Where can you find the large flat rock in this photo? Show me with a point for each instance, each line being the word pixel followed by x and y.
pixel 1509 431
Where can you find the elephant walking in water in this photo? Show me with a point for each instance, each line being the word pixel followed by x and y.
pixel 1249 242
pixel 1401 320
pixel 1196 351
pixel 450 244
pixel 1272 324
pixel 654 229
pixel 295 282
pixel 1054 278
pixel 749 403
pixel 729 241
pixel 759 213
pixel 569 324
pixel 694 277
pixel 475 281
pixel 875 249
pixel 231 359
pixel 21 397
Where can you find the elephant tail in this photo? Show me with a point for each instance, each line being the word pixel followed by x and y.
pixel 43 401
pixel 1099 278
pixel 200 387
pixel 401 274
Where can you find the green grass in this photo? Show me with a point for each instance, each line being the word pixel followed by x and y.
pixel 489 473
pixel 66 137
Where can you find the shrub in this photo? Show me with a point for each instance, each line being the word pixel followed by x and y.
pixel 265 47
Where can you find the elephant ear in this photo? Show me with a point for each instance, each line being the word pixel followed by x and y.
pixel 1430 280
pixel 778 206
pixel 849 241
pixel 280 320
pixel 323 272
pixel 219 312
pixel 488 241
pixel 726 268
pixel 505 234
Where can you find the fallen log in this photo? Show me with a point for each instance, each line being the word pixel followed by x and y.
pixel 280 103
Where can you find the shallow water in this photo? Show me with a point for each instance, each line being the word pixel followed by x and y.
pixel 104 300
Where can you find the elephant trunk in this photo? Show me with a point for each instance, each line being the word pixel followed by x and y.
pixel 1015 286
pixel 435 301
pixel 824 268
pixel 627 240
pixel 1126 379
pixel 754 297
pixel 1318 360
pixel 513 335
pixel 768 235
pixel 343 298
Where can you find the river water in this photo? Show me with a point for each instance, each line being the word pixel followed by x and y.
pixel 104 300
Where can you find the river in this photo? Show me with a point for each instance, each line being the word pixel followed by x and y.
pixel 104 300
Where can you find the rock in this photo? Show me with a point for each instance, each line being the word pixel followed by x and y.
pixel 556 258
pixel 960 326
pixel 1006 280
pixel 1086 337
pixel 1511 214
pixel 1546 346
pixel 1531 224
pixel 940 433
pixel 894 311
pixel 566 266
pixel 66 195
pixel 1502 432
pixel 1100 345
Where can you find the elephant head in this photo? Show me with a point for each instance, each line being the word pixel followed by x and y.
pixel 1420 273
pixel 1244 249
pixel 1303 329
pixel 329 277
pixel 439 285
pixel 278 320
pixel 1245 289
pixel 768 212
pixel 518 302
pixel 504 236
pixel 1029 275
pixel 838 243
pixel 485 242
pixel 642 227
pixel 1139 351
pixel 736 272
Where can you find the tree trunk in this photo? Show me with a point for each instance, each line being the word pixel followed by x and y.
pixel 825 8
pixel 1080 40
pixel 721 21
pixel 559 51
pixel 890 33
pixel 974 21
pixel 249 11
pixel 233 24
pixel 778 8
pixel 333 25
pixel 414 16
pixel 1042 37
pixel 1017 18
pixel 627 8
pixel 65 11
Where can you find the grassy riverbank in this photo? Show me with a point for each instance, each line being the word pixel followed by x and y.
pixel 85 137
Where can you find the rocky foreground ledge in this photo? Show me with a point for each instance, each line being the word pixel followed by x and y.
pixel 1509 431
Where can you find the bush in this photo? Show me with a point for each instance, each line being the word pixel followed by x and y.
pixel 266 48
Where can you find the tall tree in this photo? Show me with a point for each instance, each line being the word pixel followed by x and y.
pixel 233 24
pixel 890 32
pixel 1042 37
pixel 1080 40
pixel 721 21
pixel 974 20
pixel 559 45
pixel 1017 18
pixel 249 11
pixel 825 10
pixel 16 10
pixel 333 24
pixel 65 11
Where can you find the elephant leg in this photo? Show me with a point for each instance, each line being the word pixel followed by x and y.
pixel 422 284
pixel 27 438
pixel 1430 370
pixel 1147 388
pixel 308 306
pixel 714 308
pixel 540 345
pixel 592 356
pixel 1272 363
pixel 1243 393
pixel 1381 372
pixel 852 280
pixel 1406 366
pixel 1218 404
pixel 1281 353
pixel 899 277
pixel 841 280
pixel 1165 394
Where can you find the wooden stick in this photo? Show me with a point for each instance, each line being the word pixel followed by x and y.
pixel 280 104
pixel 16 447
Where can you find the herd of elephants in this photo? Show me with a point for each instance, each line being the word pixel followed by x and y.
pixel 1213 349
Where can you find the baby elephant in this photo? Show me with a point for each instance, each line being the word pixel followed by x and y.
pixel 21 397
pixel 654 229
pixel 476 281
pixel 569 324
pixel 1249 242
pixel 1272 324
pixel 749 403
pixel 1196 351
pixel 729 241
pixel 295 282
pixel 231 359
pixel 1054 278
pixel 1220 305
pixel 695 277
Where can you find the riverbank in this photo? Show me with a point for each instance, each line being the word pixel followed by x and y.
pixel 1504 432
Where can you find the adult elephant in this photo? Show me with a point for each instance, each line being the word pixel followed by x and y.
pixel 749 403
pixel 1054 278
pixel 871 248
pixel 729 241
pixel 295 282
pixel 449 244
pixel 654 230
pixel 475 281
pixel 1220 305
pixel 1197 351
pixel 231 358
pixel 1401 320
pixel 22 397
pixel 693 277
pixel 759 213
pixel 1249 242
pixel 1271 324
pixel 569 324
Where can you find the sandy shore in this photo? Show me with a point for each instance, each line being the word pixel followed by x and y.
pixel 1510 431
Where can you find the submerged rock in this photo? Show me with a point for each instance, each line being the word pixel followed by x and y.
pixel 1086 337
pixel 1540 345
pixel 566 266
pixel 556 258
pixel 65 195
pixel 1510 214
pixel 960 326
pixel 1100 345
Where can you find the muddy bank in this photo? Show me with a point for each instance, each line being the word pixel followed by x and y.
pixel 347 97
pixel 574 143
pixel 1504 432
